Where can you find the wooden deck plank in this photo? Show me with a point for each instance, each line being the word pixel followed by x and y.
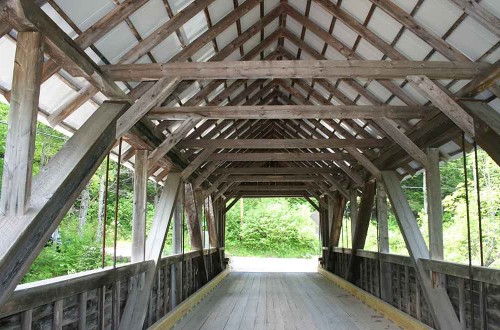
pixel 281 301
pixel 238 311
pixel 248 318
pixel 207 308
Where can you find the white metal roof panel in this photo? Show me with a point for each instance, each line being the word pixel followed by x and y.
pixel 149 17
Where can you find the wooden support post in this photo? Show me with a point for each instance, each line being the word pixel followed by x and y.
pixel 440 307
pixel 337 214
pixel 20 144
pixel 435 212
pixel 176 268
pixel 82 310
pixel 137 301
pixel 359 238
pixel 212 229
pixel 353 206
pixel 139 211
pixel 199 202
pixel 193 222
pixel 55 189
pixel 383 234
pixel 338 204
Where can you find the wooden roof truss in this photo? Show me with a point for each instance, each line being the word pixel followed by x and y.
pixel 213 108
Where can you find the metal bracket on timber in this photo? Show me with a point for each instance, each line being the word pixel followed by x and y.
pixel 54 190
pixel 193 221
pixel 137 302
pixel 442 311
pixel 361 230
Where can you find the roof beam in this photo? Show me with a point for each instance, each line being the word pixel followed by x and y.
pixel 274 170
pixel 444 102
pixel 481 15
pixel 296 69
pixel 281 143
pixel 56 38
pixel 272 178
pixel 412 25
pixel 290 112
pixel 360 29
pixel 171 141
pixel 97 31
pixel 164 31
pixel 278 157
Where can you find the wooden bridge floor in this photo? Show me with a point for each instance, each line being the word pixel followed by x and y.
pixel 281 301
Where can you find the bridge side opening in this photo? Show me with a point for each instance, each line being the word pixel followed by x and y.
pixel 271 234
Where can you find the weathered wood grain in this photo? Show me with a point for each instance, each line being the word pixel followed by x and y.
pixel 295 69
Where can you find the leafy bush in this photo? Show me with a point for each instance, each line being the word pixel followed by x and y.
pixel 271 227
pixel 72 254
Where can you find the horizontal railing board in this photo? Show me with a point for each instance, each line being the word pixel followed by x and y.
pixel 480 274
pixel 31 295
pixel 43 292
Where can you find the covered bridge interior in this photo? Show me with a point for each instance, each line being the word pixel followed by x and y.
pixel 218 100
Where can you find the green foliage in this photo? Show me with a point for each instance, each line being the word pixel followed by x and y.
pixel 74 254
pixel 271 227
pixel 263 227
pixel 455 228
pixel 80 246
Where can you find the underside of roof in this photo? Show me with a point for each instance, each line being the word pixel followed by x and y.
pixel 242 123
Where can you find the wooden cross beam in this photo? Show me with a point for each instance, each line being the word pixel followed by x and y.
pixel 260 194
pixel 295 69
pixel 281 143
pixel 279 157
pixel 273 187
pixel 274 170
pixel 272 178
pixel 290 112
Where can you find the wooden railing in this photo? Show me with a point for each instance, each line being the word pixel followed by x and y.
pixel 406 294
pixel 95 299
